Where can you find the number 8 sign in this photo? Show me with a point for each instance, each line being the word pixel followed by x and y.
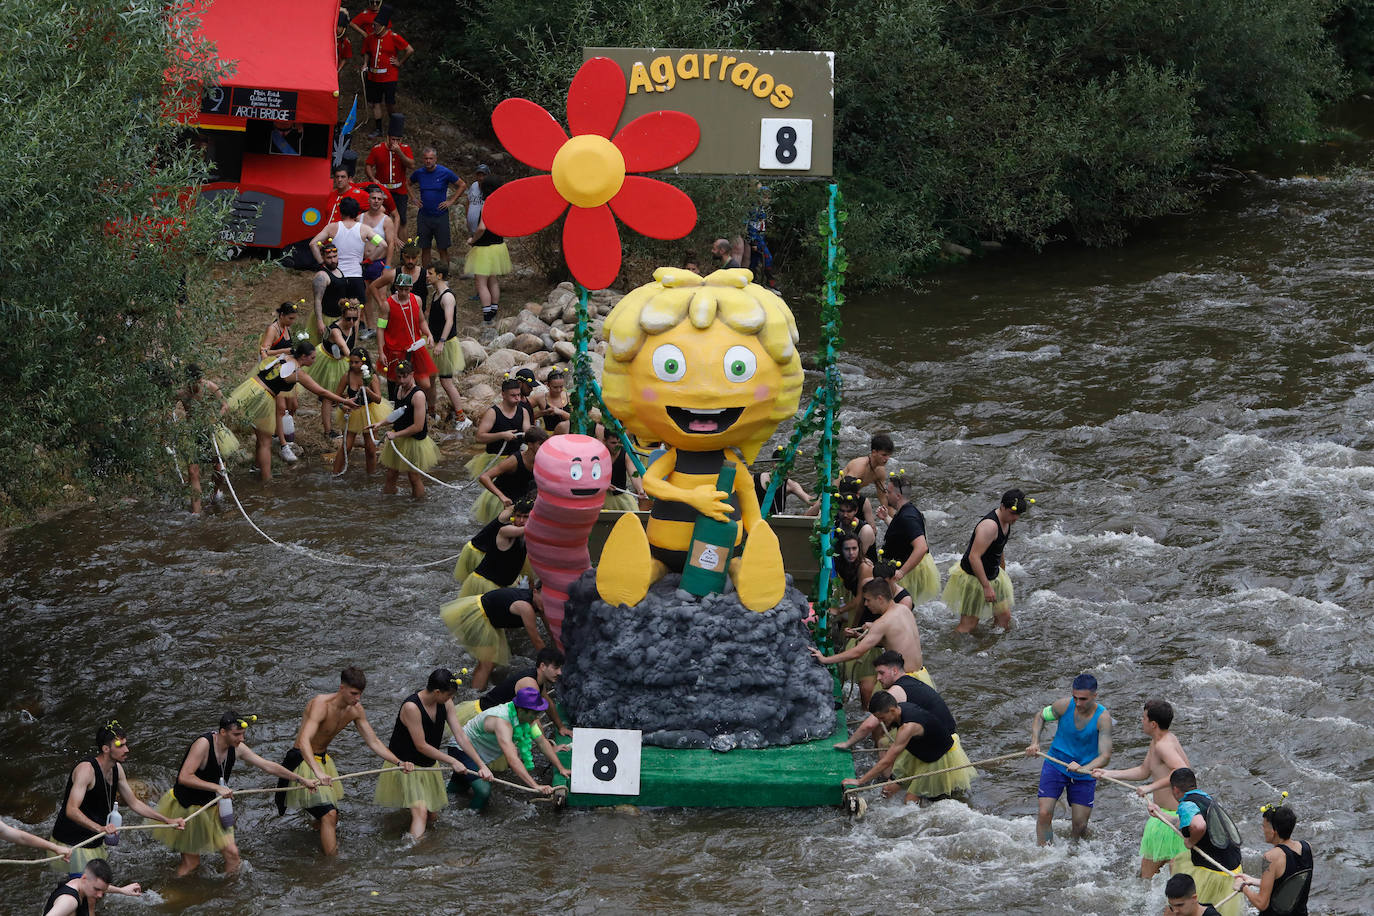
pixel 785 143
pixel 605 761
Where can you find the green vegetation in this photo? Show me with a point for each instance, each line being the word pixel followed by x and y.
pixel 101 258
pixel 966 120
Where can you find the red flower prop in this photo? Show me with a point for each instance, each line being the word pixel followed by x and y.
pixel 588 172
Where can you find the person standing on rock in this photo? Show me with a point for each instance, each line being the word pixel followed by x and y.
pixel 501 427
pixel 550 402
pixel 432 217
pixel 443 328
pixel 488 258
pixel 978 588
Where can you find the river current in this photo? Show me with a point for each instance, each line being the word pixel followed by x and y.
pixel 1191 413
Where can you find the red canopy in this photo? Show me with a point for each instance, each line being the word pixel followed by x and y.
pixel 285 68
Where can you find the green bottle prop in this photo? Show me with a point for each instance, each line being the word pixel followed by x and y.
pixel 708 556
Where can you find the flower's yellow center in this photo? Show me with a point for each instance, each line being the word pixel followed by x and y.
pixel 588 170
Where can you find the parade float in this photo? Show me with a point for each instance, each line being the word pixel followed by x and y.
pixel 689 679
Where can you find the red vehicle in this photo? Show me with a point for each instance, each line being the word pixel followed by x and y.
pixel 268 130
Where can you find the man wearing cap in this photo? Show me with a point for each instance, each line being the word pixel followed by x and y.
pixel 1082 743
pixel 432 216
pixel 389 162
pixel 503 737
pixel 978 587
pixel 385 52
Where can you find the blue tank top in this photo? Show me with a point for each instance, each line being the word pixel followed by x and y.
pixel 1075 745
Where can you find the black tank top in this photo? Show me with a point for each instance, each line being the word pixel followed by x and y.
pixel 936 741
pixel 485 540
pixel 433 728
pixel 779 497
pixel 356 394
pixel 504 692
pixel 334 293
pixel 992 557
pixel 488 238
pixel 350 339
pixel 497 603
pixel 618 473
pixel 515 482
pixel 272 376
pixel 436 317
pixel 407 404
pixel 96 805
pixel 209 771
pixel 551 421
pixel 1289 896
pixel 901 593
pixel 926 697
pixel 283 338
pixel 502 567
pixel 67 891
pixel 503 423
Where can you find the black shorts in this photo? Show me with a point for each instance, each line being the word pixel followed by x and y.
pixel 402 199
pixel 357 288
pixel 377 93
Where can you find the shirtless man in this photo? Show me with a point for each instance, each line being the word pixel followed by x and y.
pixel 1159 844
pixel 905 688
pixel 895 629
pixel 326 715
pixel 872 469
pixel 376 254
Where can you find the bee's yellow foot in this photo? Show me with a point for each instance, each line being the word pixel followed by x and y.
pixel 627 569
pixel 760 579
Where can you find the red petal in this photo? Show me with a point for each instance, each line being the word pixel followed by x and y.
pixel 596 98
pixel 523 207
pixel 653 208
pixel 528 132
pixel 657 140
pixel 591 246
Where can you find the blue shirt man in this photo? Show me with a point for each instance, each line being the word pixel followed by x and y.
pixel 434 181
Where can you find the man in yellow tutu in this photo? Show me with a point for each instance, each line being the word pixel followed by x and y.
pixel 416 738
pixel 895 630
pixel 407 446
pixel 326 715
pixel 905 544
pixel 905 688
pixel 203 777
pixel 978 588
pixel 923 751
pixel 504 737
pixel 1212 839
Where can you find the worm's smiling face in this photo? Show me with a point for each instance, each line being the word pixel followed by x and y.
pixel 572 466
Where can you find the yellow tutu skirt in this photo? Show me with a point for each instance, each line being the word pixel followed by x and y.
pixel 228 442
pixel 467 562
pixel 327 370
pixel 923 582
pixel 468 623
pixel 299 796
pixel 450 361
pixel 81 857
pixel 203 833
pixel 307 324
pixel 358 419
pixel 466 712
pixel 252 406
pixel 621 502
pixel 950 783
pixel 861 667
pixel 421 786
pixel 964 594
pixel 1212 885
pixel 488 261
pixel 475 585
pixel 487 507
pixel 422 453
pixel 480 462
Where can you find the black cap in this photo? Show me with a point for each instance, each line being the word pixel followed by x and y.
pixel 343 19
pixel 383 15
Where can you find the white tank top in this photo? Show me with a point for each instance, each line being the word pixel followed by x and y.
pixel 349 241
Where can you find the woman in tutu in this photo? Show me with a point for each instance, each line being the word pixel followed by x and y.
pixel 331 359
pixel 501 427
pixel 508 479
pixel 360 386
pixel 416 739
pixel 978 587
pixel 276 342
pixel 488 258
pixel 256 403
pixel 203 777
pixel 505 561
pixel 407 445
pixel 480 622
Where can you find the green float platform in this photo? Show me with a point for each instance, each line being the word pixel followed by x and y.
pixel 798 776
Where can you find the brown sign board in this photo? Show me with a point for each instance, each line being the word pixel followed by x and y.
pixel 761 112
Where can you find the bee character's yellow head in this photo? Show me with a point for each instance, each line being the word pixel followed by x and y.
pixel 702 364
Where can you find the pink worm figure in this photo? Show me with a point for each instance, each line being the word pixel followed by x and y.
pixel 573 473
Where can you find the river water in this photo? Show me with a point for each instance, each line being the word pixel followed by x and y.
pixel 1192 414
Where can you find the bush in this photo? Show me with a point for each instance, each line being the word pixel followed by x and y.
pixel 104 258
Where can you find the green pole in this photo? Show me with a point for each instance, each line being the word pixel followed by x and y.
pixel 582 374
pixel 829 401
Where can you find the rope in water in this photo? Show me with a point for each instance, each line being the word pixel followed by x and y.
pixel 318 557
pixel 451 486
pixel 852 790
pixel 1236 872
pixel 265 790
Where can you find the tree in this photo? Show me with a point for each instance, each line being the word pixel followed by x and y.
pixel 103 298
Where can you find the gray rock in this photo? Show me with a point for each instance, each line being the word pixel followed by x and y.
pixel 501 341
pixel 527 343
pixel 499 362
pixel 565 349
pixel 474 354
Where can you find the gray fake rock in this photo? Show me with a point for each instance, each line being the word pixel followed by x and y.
pixel 527 343
pixel 565 349
pixel 694 672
